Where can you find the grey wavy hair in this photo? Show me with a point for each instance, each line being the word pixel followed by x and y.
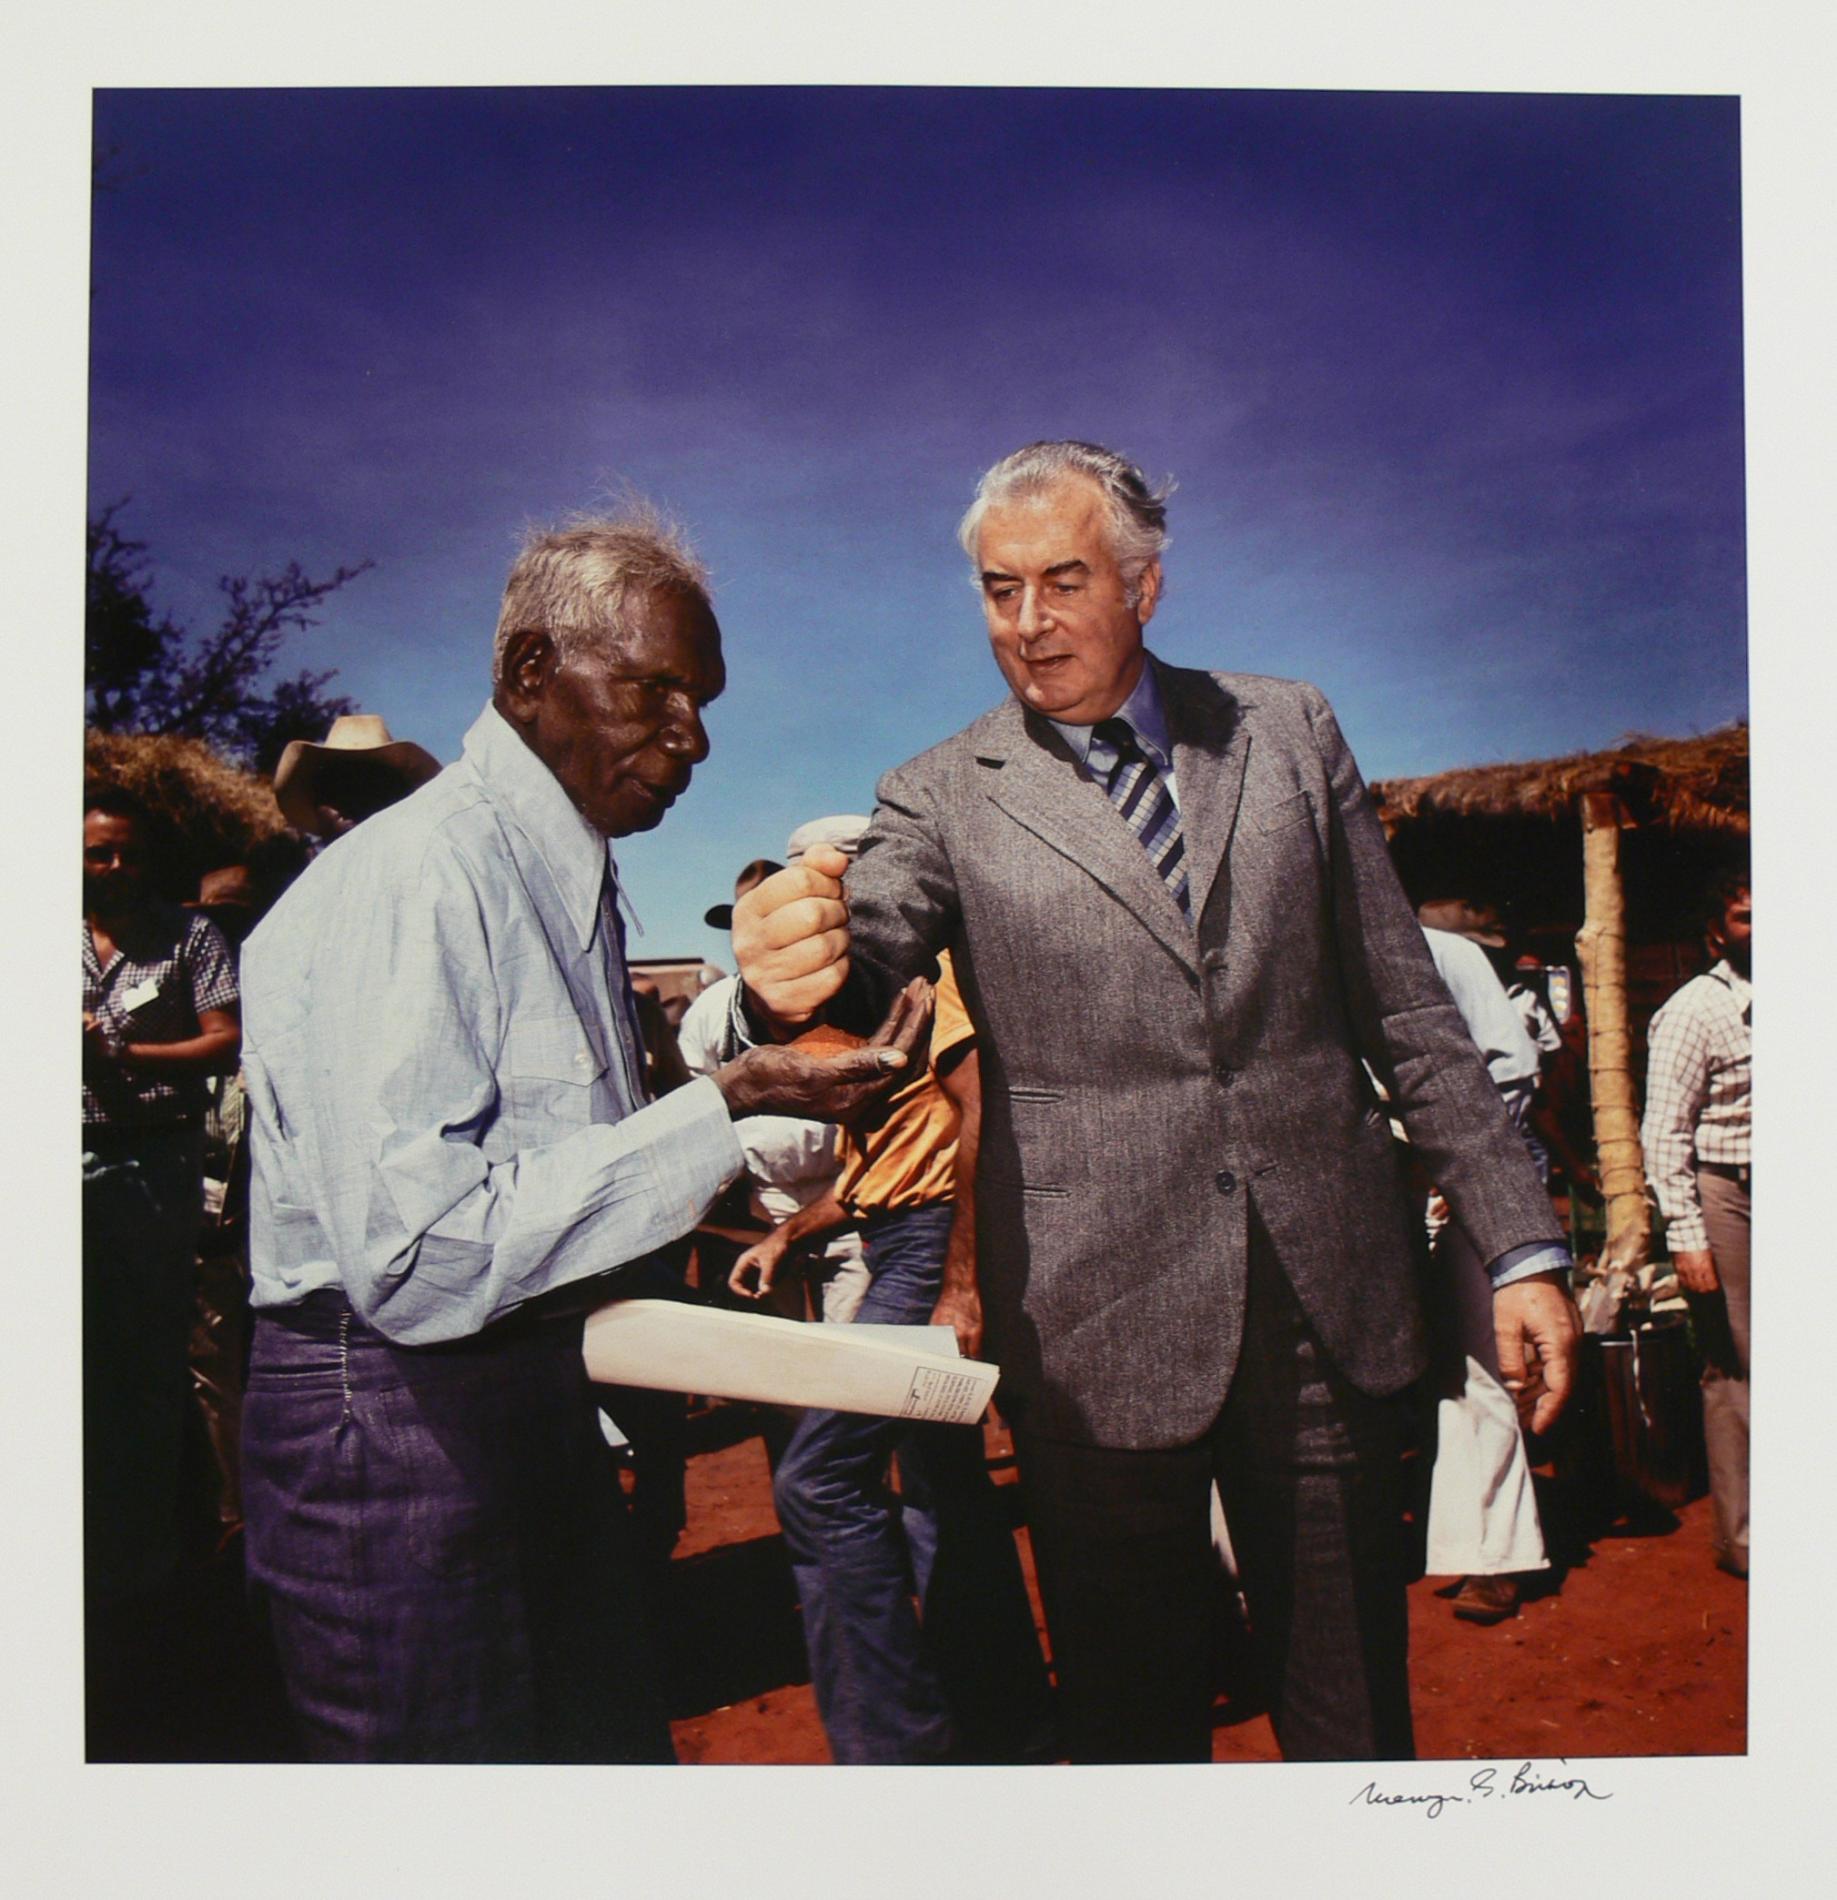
pixel 573 582
pixel 1137 512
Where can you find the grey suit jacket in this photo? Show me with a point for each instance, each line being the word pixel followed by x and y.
pixel 1150 1087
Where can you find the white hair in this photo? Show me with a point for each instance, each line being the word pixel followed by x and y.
pixel 574 582
pixel 1137 513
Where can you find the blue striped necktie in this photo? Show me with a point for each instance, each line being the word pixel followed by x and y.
pixel 1140 793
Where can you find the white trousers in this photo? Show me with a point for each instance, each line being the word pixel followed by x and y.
pixel 1482 1509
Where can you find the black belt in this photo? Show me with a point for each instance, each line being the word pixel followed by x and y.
pixel 1741 1171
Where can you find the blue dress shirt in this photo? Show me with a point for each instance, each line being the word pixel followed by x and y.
pixel 446 1105
pixel 1147 719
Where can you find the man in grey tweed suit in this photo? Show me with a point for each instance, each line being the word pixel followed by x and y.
pixel 1178 932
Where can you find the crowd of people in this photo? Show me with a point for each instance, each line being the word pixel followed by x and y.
pixel 1101 1042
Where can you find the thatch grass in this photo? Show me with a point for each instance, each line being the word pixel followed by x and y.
pixel 1698 784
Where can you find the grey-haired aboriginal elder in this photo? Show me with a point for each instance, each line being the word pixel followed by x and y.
pixel 454 1158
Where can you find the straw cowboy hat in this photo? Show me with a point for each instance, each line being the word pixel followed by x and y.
pixel 297 776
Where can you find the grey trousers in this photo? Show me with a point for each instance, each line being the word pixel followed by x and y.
pixel 1726 1205
pixel 1308 1469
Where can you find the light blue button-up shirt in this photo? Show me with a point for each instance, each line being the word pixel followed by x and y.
pixel 447 1118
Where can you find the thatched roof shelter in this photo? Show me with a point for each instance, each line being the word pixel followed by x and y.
pixel 213 813
pixel 1698 784
pixel 1598 859
pixel 1511 834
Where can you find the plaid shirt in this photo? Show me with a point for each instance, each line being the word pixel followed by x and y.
pixel 166 972
pixel 1699 1095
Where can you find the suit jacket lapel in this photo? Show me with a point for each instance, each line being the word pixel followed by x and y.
pixel 1211 749
pixel 1041 787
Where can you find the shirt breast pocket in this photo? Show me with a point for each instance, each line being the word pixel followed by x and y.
pixel 156 1012
pixel 547 1071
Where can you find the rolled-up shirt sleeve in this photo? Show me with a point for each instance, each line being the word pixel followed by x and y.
pixel 404 1140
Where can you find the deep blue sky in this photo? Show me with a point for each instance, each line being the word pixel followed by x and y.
pixel 1451 385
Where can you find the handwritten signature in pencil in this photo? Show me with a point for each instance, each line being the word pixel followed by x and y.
pixel 1484 1784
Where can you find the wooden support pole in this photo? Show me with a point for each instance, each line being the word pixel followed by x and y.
pixel 1601 944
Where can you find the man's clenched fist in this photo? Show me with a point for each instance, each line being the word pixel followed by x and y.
pixel 790 936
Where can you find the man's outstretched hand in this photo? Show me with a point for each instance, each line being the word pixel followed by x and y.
pixel 790 937
pixel 755 1271
pixel 830 1088
pixel 1535 1324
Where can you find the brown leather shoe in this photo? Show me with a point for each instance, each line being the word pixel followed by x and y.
pixel 1487 1599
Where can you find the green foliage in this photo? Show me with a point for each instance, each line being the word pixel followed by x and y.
pixel 146 673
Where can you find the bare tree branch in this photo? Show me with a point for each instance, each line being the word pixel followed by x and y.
pixel 149 674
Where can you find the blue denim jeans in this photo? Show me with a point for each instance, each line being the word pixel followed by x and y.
pixel 442 1545
pixel 958 1676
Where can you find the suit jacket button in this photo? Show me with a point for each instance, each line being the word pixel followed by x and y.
pixel 1225 1076
pixel 1227 1181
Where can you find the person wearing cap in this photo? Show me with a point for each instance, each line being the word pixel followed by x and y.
pixel 790 1160
pixel 1179 937
pixel 359 770
pixel 961 1678
pixel 754 871
pixel 453 1160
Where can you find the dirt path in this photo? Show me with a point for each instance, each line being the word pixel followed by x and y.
pixel 1633 1645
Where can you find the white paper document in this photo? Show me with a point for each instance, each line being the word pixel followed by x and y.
pixel 893 1371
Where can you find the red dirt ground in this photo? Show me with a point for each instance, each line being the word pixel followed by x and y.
pixel 1634 1644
